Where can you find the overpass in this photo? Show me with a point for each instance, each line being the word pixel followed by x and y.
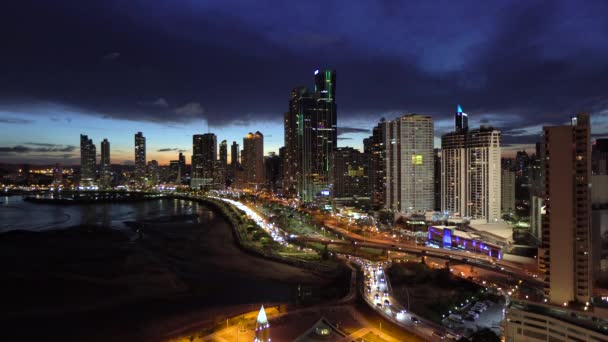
pixel 477 260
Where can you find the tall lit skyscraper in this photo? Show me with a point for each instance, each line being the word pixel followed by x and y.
pixel 461 121
pixel 234 154
pixel 566 251
pixel 204 157
pixel 87 161
pixel 470 172
pixel 310 138
pixel 410 164
pixel 253 160
pixel 104 164
pixel 140 158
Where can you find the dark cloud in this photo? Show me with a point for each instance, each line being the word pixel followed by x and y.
pixel 20 149
pixel 348 130
pixel 235 63
pixel 175 149
pixel 15 121
pixel 111 56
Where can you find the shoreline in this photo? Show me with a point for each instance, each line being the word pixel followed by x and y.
pixel 181 270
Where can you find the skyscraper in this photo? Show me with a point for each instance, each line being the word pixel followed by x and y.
pixel 410 164
pixel 507 191
pixel 253 160
pixel 234 154
pixel 461 121
pixel 182 166
pixel 565 254
pixel 470 172
pixel 87 161
pixel 437 178
pixel 310 138
pixel 204 157
pixel 222 169
pixel 568 313
pixel 104 164
pixel 374 146
pixel 140 158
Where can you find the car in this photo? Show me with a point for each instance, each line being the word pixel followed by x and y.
pixel 474 314
pixel 455 318
pixel 386 302
pixel 385 294
pixel 376 297
pixel 439 334
pixel 415 320
pixel 379 305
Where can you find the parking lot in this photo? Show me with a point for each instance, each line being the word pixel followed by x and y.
pixel 489 318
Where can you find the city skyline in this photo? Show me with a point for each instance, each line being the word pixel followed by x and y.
pixel 172 88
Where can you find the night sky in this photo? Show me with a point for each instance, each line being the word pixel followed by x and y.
pixel 176 68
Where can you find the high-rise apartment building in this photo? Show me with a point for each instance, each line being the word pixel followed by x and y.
pixel 310 138
pixel 104 164
pixel 140 158
pixel 182 166
pixel 350 173
pixel 410 164
pixel 204 157
pixel 437 179
pixel 507 192
pixel 374 147
pixel 470 172
pixel 253 160
pixel 565 254
pixel 568 313
pixel 222 165
pixel 88 161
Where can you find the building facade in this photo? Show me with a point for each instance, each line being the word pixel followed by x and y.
pixel 565 255
pixel 253 160
pixel 374 147
pixel 140 158
pixel 349 174
pixel 310 138
pixel 507 192
pixel 204 157
pixel 470 172
pixel 410 163
pixel 104 165
pixel 88 161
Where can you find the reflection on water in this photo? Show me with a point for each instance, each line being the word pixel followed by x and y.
pixel 18 214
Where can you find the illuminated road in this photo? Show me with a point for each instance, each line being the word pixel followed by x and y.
pixel 505 267
pixel 377 293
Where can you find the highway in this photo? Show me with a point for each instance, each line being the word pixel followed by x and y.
pixel 377 293
pixel 478 260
